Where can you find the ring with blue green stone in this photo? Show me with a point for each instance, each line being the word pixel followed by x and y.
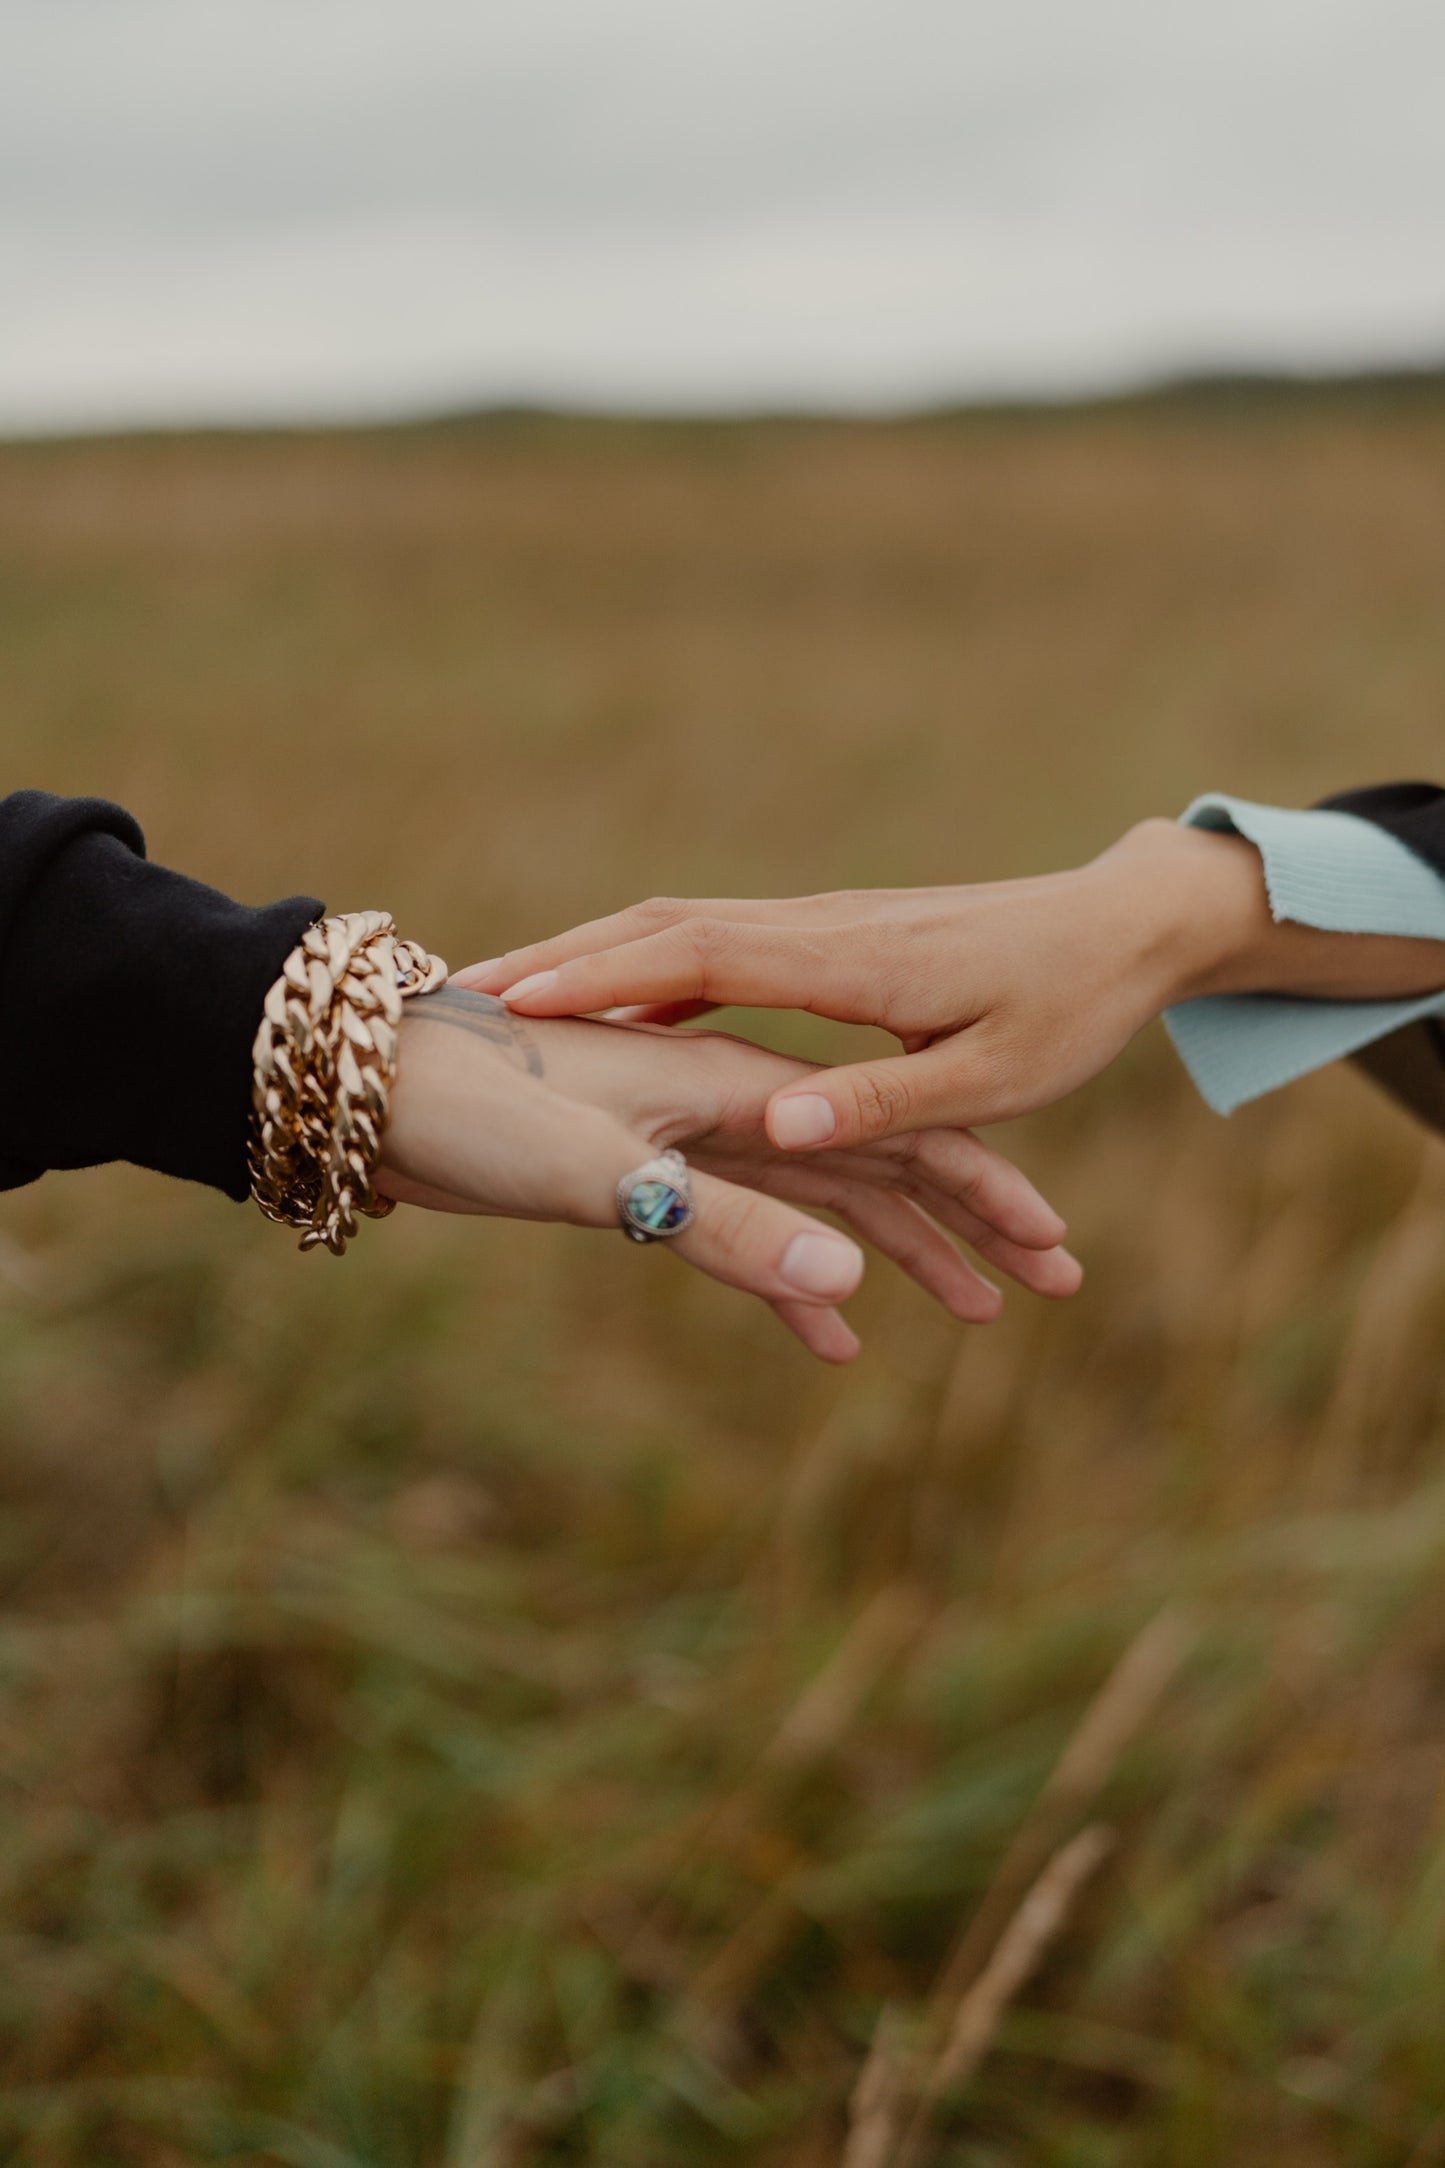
pixel 654 1202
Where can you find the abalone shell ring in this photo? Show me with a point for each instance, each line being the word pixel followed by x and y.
pixel 654 1202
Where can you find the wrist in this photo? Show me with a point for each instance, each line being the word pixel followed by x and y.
pixel 1197 907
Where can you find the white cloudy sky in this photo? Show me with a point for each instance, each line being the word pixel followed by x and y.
pixel 312 207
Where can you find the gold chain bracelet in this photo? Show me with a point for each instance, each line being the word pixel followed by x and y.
pixel 325 1061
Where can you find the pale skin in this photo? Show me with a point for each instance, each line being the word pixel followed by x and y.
pixel 495 1114
pixel 1006 995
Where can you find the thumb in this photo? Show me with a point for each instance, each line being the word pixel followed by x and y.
pixel 938 1088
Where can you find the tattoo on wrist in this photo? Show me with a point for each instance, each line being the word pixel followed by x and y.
pixel 486 1018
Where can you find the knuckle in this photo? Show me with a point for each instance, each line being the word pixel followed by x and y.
pixel 661 910
pixel 707 940
pixel 860 901
pixel 908 1151
pixel 881 1098
pixel 865 905
pixel 971 1182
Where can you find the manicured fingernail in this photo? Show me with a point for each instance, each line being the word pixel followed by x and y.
pixel 826 1265
pixel 806 1118
pixel 541 982
pixel 493 963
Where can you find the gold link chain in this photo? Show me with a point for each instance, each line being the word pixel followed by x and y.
pixel 325 1061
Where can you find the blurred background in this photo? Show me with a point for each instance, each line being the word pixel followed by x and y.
pixel 477 1706
pixel 357 209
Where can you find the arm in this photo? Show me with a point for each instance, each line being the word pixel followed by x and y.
pixel 129 997
pixel 1006 995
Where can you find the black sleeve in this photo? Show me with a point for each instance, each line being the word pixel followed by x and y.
pixel 129 998
pixel 1413 812
pixel 1410 1064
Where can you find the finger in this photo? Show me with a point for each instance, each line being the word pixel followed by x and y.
pixel 901 1228
pixel 1049 1271
pixel 999 1194
pixel 1055 1273
pixel 1052 1272
pixel 954 1163
pixel 756 1242
pixel 958 1179
pixel 822 1332
pixel 634 924
pixel 834 1183
pixel 942 1087
pixel 738 1236
pixel 712 960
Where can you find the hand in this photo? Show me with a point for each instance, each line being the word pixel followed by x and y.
pixel 461 1139
pixel 470 1131
pixel 1006 995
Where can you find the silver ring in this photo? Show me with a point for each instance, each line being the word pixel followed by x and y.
pixel 654 1202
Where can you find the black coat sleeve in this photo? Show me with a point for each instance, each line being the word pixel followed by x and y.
pixel 1410 1064
pixel 129 998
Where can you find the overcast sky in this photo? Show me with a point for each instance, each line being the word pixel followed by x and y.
pixel 354 207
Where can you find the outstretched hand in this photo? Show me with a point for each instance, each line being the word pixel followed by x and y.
pixel 1006 995
pixel 495 1114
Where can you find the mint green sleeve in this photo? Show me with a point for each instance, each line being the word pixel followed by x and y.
pixel 1326 869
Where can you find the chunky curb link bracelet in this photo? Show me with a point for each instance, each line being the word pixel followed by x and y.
pixel 325 1062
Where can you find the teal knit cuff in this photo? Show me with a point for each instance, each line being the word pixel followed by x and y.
pixel 1326 869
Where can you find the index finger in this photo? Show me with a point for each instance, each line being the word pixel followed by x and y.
pixel 636 923
pixel 715 961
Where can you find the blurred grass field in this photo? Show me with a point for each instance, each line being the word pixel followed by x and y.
pixel 492 1702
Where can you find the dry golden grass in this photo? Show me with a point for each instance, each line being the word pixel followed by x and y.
pixel 476 1707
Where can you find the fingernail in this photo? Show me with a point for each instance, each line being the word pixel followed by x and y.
pixel 826 1265
pixel 493 963
pixel 541 982
pixel 806 1118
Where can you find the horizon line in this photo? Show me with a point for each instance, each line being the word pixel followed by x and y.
pixel 1224 386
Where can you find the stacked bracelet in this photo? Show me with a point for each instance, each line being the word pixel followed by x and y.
pixel 325 1060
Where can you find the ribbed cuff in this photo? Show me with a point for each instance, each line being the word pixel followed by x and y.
pixel 1325 869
